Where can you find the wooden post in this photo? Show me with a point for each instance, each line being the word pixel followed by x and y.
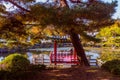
pixel 42 59
pixel 55 52
pixel 74 55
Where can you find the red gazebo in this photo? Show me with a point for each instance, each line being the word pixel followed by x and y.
pixel 57 57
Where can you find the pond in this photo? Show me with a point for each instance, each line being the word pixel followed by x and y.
pixel 44 52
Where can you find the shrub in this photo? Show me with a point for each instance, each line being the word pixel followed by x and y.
pixel 112 66
pixel 14 67
pixel 110 56
pixel 15 62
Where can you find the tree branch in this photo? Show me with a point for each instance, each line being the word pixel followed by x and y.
pixel 63 3
pixel 12 2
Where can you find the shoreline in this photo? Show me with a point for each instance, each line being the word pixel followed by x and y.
pixel 102 49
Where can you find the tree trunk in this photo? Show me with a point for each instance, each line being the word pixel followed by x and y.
pixel 79 48
pixel 76 41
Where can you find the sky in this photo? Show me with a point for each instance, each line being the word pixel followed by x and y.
pixel 117 13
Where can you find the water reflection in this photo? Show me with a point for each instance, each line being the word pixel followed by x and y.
pixel 30 57
pixel 1 58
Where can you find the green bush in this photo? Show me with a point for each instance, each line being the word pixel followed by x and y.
pixel 17 67
pixel 110 56
pixel 112 66
pixel 15 62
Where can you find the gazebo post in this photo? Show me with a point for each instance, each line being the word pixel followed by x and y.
pixel 55 52
pixel 75 56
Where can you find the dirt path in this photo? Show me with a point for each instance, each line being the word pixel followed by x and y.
pixel 76 73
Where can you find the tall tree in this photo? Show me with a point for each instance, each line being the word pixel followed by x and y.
pixel 72 17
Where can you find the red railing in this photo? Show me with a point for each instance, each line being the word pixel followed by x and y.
pixel 63 57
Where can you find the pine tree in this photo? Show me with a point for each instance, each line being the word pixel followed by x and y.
pixel 72 17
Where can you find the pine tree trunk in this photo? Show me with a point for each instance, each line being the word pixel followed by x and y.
pixel 76 41
pixel 79 48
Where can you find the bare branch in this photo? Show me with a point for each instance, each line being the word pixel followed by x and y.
pixel 46 2
pixel 75 1
pixel 63 3
pixel 12 2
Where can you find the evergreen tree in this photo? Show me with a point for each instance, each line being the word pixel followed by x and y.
pixel 72 17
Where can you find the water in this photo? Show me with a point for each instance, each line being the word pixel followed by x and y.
pixel 1 58
pixel 32 55
pixel 93 55
pixel 51 49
